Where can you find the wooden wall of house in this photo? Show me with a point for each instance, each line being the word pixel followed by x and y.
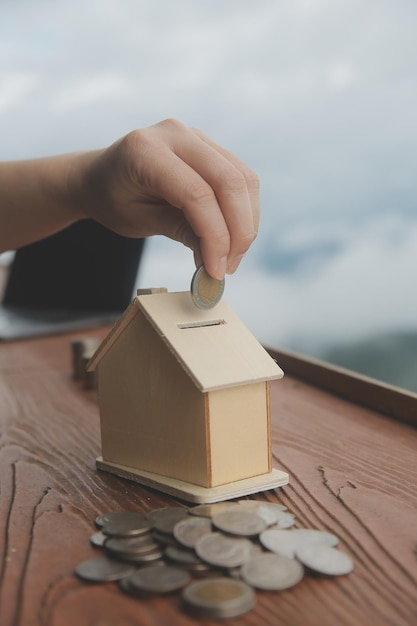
pixel 239 433
pixel 152 415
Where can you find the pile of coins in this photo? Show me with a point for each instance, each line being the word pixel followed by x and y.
pixel 232 548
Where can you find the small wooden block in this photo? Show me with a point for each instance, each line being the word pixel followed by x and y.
pixel 90 379
pixel 150 291
pixel 82 350
pixel 195 493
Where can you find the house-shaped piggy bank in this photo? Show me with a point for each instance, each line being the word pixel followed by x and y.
pixel 184 400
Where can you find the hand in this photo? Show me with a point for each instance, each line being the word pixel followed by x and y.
pixel 172 180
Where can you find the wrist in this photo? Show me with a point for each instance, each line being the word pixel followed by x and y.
pixel 80 186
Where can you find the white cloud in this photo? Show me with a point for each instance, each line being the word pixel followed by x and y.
pixel 91 90
pixel 15 87
pixel 341 75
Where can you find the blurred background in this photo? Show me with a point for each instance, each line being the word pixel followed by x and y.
pixel 319 97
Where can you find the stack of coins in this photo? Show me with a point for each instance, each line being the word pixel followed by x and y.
pixel 217 555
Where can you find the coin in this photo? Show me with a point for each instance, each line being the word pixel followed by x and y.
pixel 126 587
pixel 222 551
pixel 189 530
pixel 272 572
pixel 165 522
pixel 324 560
pixel 286 542
pixel 158 579
pixel 206 291
pixel 237 522
pixel 144 559
pixel 183 556
pixel 164 538
pixel 166 511
pixel 309 535
pixel 268 511
pixel 285 520
pixel 131 546
pixel 128 526
pixel 98 539
pixel 208 510
pixel 282 542
pixel 219 598
pixel 103 570
pixel 117 516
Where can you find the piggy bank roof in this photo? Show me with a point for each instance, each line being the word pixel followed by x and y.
pixel 213 346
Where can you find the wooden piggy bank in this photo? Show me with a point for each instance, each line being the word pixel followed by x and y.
pixel 184 400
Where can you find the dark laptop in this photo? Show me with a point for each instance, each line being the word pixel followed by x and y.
pixel 81 277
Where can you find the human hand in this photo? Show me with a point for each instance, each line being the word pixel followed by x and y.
pixel 172 180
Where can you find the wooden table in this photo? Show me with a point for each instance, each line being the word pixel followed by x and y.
pixel 352 471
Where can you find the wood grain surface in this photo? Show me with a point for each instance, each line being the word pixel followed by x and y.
pixel 352 472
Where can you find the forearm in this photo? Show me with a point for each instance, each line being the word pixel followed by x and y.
pixel 37 199
pixel 163 180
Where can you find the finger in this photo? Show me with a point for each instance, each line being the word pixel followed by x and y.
pixel 231 190
pixel 165 175
pixel 173 224
pixel 252 179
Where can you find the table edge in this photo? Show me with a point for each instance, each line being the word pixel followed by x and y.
pixel 394 402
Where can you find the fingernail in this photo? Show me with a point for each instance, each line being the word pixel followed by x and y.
pixel 233 265
pixel 221 268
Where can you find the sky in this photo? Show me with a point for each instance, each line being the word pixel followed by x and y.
pixel 317 96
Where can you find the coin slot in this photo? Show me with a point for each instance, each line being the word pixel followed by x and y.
pixel 201 324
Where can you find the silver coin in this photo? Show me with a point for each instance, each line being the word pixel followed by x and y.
pixel 166 523
pixel 236 522
pixel 222 551
pixel 204 570
pixel 256 549
pixel 131 546
pixel 206 291
pixel 98 539
pixel 103 570
pixel 164 512
pixel 234 572
pixel 324 560
pixel 182 556
pixel 219 598
pixel 189 530
pixel 164 539
pixel 283 542
pixel 209 510
pixel 285 520
pixel 268 511
pixel 145 558
pixel 158 579
pixel 309 535
pixel 272 572
pixel 127 527
pixel 269 515
pixel 115 516
pixel 127 588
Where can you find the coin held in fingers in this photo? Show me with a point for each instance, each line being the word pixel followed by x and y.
pixel 206 291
